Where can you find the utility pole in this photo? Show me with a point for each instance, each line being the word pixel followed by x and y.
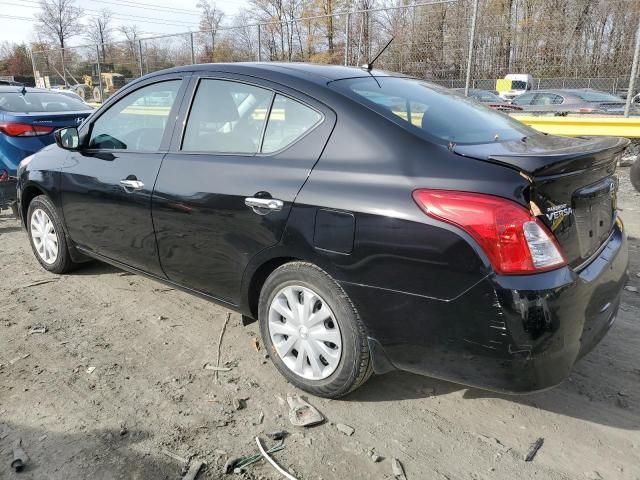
pixel 472 38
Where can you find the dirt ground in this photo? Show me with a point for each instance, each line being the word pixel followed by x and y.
pixel 147 392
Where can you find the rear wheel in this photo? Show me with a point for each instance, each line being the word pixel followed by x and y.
pixel 313 331
pixel 47 237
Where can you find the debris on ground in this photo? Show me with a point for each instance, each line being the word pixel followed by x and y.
pixel 346 429
pixel 301 413
pixel 224 328
pixel 375 458
pixel 194 468
pixel 35 284
pixel 255 343
pixel 177 458
pixel 397 469
pixel 37 329
pixel 20 457
pixel 17 359
pixel 239 403
pixel 277 435
pixel 208 366
pixel 91 369
pixel 260 419
pixel 533 449
pixel 593 475
pixel 629 288
pixel 237 465
pixel 273 462
pixel 492 441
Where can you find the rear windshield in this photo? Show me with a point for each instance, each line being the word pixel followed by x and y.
pixel 38 102
pixel 591 96
pixel 484 96
pixel 434 112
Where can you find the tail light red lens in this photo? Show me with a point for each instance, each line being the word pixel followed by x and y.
pixel 513 239
pixel 16 129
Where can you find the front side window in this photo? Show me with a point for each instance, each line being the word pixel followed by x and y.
pixel 226 117
pixel 136 122
pixel 288 121
pixel 432 111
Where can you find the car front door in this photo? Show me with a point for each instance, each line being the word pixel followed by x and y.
pixel 106 186
pixel 236 164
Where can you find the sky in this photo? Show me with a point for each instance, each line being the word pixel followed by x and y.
pixel 153 17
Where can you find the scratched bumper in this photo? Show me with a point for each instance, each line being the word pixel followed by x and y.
pixel 512 334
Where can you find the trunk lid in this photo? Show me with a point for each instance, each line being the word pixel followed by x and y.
pixel 50 119
pixel 572 185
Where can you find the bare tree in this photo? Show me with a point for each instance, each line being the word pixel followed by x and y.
pixel 99 31
pixel 132 36
pixel 59 19
pixel 210 20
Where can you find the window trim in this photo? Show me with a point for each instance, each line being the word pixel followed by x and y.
pixel 258 153
pixel 175 108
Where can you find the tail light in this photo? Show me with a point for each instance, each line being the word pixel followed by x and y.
pixel 515 241
pixel 586 110
pixel 16 129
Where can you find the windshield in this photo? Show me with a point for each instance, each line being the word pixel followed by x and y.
pixel 38 102
pixel 594 96
pixel 433 112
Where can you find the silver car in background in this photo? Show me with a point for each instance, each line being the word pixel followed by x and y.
pixel 563 101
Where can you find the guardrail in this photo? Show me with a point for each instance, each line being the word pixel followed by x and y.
pixel 584 125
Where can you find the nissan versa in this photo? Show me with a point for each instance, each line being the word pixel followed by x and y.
pixel 368 221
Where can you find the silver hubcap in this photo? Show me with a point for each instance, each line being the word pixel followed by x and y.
pixel 44 236
pixel 304 332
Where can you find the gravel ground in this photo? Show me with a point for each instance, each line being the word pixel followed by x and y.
pixel 118 378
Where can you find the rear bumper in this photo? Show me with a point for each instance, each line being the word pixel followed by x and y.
pixel 513 334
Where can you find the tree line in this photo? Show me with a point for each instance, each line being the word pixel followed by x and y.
pixel 545 38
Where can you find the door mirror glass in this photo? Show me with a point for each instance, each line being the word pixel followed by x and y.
pixel 67 138
pixel 136 122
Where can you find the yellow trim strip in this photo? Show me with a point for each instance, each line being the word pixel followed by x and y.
pixel 586 125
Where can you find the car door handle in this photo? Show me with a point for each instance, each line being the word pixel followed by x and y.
pixel 262 206
pixel 132 184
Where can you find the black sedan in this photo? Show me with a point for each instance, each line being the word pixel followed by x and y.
pixel 369 222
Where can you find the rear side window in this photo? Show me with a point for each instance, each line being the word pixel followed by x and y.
pixel 39 102
pixel 524 99
pixel 137 121
pixel 288 121
pixel 547 99
pixel 226 117
pixel 436 113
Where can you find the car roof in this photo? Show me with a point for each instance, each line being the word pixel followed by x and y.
pixel 319 73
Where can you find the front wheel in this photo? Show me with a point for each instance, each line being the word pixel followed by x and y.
pixel 314 334
pixel 47 238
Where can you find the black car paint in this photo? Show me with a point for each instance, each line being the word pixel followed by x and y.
pixel 424 289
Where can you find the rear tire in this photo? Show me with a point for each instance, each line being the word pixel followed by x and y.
pixel 322 349
pixel 47 237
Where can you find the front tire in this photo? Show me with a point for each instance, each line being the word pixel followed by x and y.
pixel 47 238
pixel 313 332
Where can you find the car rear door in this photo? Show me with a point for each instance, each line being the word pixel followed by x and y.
pixel 106 187
pixel 240 153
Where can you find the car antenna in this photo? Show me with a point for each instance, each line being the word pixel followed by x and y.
pixel 369 65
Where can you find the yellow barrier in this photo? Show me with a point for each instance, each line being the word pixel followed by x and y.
pixel 585 125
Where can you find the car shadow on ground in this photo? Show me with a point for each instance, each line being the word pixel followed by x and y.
pixel 586 405
pixel 96 454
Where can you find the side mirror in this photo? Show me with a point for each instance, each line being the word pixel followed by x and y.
pixel 67 138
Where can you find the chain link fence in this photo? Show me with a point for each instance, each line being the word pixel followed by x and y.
pixel 569 44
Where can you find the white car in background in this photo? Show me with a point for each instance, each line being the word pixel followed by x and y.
pixel 520 83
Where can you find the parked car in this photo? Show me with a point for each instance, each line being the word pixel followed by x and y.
pixel 490 99
pixel 520 84
pixel 432 235
pixel 571 101
pixel 28 117
pixel 10 83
